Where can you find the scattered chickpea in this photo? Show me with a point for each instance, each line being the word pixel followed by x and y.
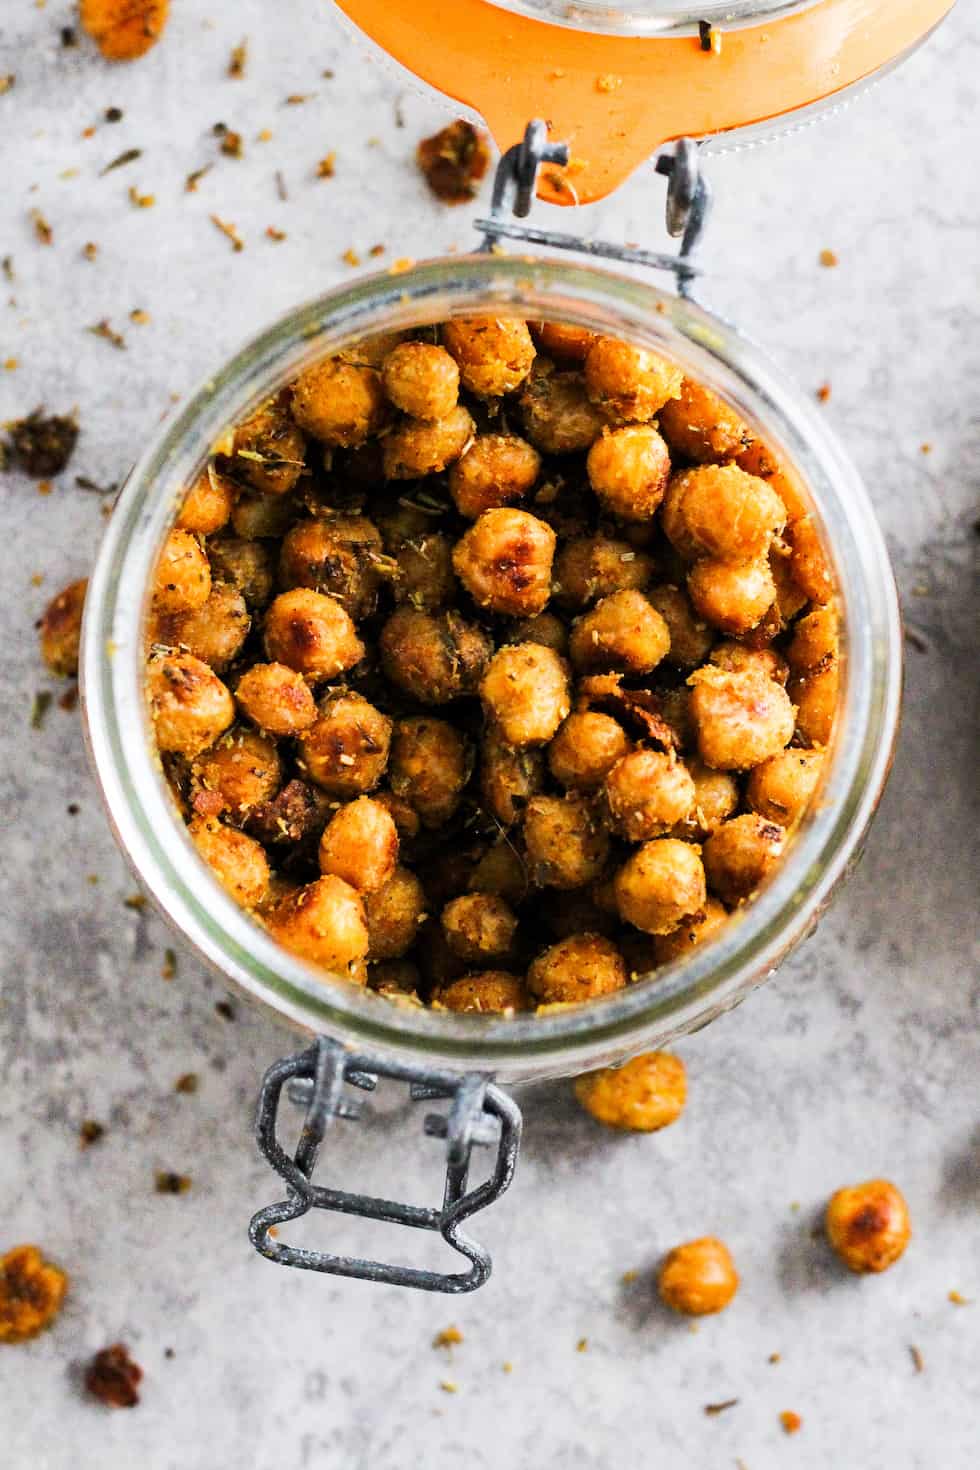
pixel 590 567
pixel 720 511
pixel 716 795
pixel 566 844
pixel 740 719
pixel 643 1095
pixel 738 658
pixel 428 767
pixel 215 632
pixel 269 450
pixel 509 776
pixel 334 555
pixel 562 342
pixel 558 416
pixel 868 1225
pixel 692 932
pixel 698 1278
pixel 691 637
pixel 490 992
pixel 544 628
pixel 425 579
pixel 699 425
pixel 781 787
pixel 246 565
pixel 647 793
pixel 479 927
pixel 420 447
pixel 324 922
pixel 189 705
pixel 434 657
pixel 807 560
pixel 733 597
pixel 815 695
pixel 183 576
pixel 393 914
pixel 240 770
pixel 346 750
pixel 208 504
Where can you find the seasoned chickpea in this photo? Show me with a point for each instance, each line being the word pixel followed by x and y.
pixel 216 631
pixel 732 596
pixel 269 450
pixel 644 1095
pixel 694 931
pixel 691 637
pixel 647 793
pixel 258 517
pixel 479 927
pixel 815 697
pixel 720 511
pixel 504 562
pixel 501 871
pixel 525 692
pixel 780 789
pixel 590 567
pixel 312 634
pixel 189 705
pixel 579 968
pixel 623 633
pixel 629 383
pixel 208 504
pixel 434 657
pixel 61 628
pixel 494 353
pixel 807 561
pixel 238 862
pixel 544 628
pixel 868 1225
pixel 182 581
pixel 428 767
pixel 558 416
pixel 561 341
pixel 276 698
pixel 491 992
pixel 235 774
pixel 815 640
pixel 336 555
pixel 324 922
pixel 496 470
pixel 509 776
pixel 698 1278
pixel 421 380
pixel 699 425
pixel 339 403
pixel 740 854
pixel 346 751
pixel 715 798
pixel 737 658
pixel 740 719
pixel 425 577
pixel 661 885
pixel 246 565
pixel 420 447
pixel 585 749
pixel 360 845
pixel 628 470
pixel 394 913
pixel 566 845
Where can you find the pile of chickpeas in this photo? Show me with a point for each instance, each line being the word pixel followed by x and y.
pixel 492 665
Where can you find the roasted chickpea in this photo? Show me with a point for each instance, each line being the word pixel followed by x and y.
pixel 807 560
pixel 312 634
pixel 699 425
pixel 258 517
pixel 360 845
pixel 566 845
pixel 189 705
pixel 61 628
pixel 276 698
pixel 434 657
pixel 216 631
pixel 690 636
pixel 815 697
pixel 394 913
pixel 740 854
pixel 428 767
pixel 496 470
pixel 509 776
pixel 692 932
pixel 579 968
pixel 235 774
pixel 339 403
pixel 760 459
pixel 740 719
pixel 647 793
pixel 732 596
pixel 780 789
pixel 628 470
pixel 420 447
pixel 425 579
pixel 737 658
pixel 561 341
pixel 590 567
pixel 269 450
pixel 715 798
pixel 421 380
pixel 479 927
pixel 324 922
pixel 346 751
pixel 182 581
pixel 815 640
pixel 238 862
pixel 525 692
pixel 661 885
pixel 644 1095
pixel 245 565
pixel 868 1225
pixel 720 511
pixel 622 632
pixel 628 383
pixel 490 992
pixel 698 1278
pixel 585 749
pixel 504 562
pixel 336 555
pixel 494 353
pixel 208 504
pixel 558 416
pixel 501 871
pixel 543 628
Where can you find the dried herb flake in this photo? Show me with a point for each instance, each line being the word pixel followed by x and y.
pixel 130 156
pixel 165 1181
pixel 169 968
pixel 229 231
pixel 186 1083
pixel 104 330
pixel 42 229
pixel 113 1378
pixel 41 446
pixel 239 59
pixel 6 82
pixel 39 707
pixel 193 179
pixel 712 1409
pixel 327 166
pixel 90 1132
pixel 141 201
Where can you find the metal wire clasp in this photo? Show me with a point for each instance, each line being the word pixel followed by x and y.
pixel 480 1114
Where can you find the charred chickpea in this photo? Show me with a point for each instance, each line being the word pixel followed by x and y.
pixel 276 698
pixel 740 854
pixel 345 751
pixel 720 511
pixel 324 922
pixel 694 931
pixel 424 578
pixel 629 384
pixel 189 705
pixel 698 1278
pixel 340 403
pixel 421 380
pixel 419 447
pixel 496 470
pixel 585 749
pixel 740 720
pixel 781 787
pixel 489 992
pixel 868 1225
pixel 733 597
pixel 428 767
pixel 525 692
pixel 690 635
pixel 494 354
pixel 336 555
pixel 238 862
pixel 661 885
pixel 622 633
pixel 394 913
pixel 737 658
pixel 258 517
pixel 628 469
pixel 360 845
pixel 433 657
pixel 566 845
pixel 245 565
pixel 269 449
pixel 479 927
pixel 182 581
pixel 61 628
pixel 561 341
pixel 815 697
pixel 807 560
pixel 557 414
pixel 504 562
pixel 235 774
pixel 312 634
pixel 509 776
pixel 591 567
pixel 644 1095
pixel 582 967
pixel 208 504
pixel 544 628
pixel 647 793
pixel 216 631
pixel 699 425
pixel 716 796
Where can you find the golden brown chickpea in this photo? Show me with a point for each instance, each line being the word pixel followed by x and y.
pixel 711 917
pixel 525 692
pixel 490 992
pixel 360 845
pixel 238 862
pixel 715 798
pixel 561 341
pixel 647 793
pixel 585 750
pixel 420 447
pixel 339 403
pixel 543 628
pixel 428 767
pixel 246 565
pixel 509 776
pixel 579 968
pixel 336 555
pixel 425 577
pixel 566 845
pixel 434 657
pixel 214 632
pixel 628 383
pixel 868 1225
pixel 236 773
pixel 479 927
pixel 494 353
pixel 394 913
pixel 740 854
pixel 698 1278
pixel 661 885
pixel 590 567
pixel 258 517
pixel 720 511
pixel 816 639
pixel 733 597
pixel 312 634
pixel 324 922
pixel 622 633
pixel 737 658
pixel 208 504
pixel 699 425
pixel 807 560
pixel 761 459
pixel 504 562
pixel 740 719
pixel 644 1095
pixel 61 628
pixel 780 789
pixel 501 871
pixel 421 380
pixel 558 416
pixel 269 450
pixel 189 705
pixel 690 636
pixel 182 581
pixel 346 751
pixel 628 470
pixel 276 698
pixel 815 697
pixel 496 470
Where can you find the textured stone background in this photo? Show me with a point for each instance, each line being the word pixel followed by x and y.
pixel 861 1059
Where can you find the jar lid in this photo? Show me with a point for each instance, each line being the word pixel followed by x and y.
pixel 618 80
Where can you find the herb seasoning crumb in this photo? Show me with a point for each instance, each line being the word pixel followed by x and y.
pixel 39 707
pixel 376 250
pixel 791 1422
pixel 608 83
pixel 90 1132
pixel 296 99
pixel 193 179
pixel 225 1009
pixel 774 1358
pixel 44 487
pixel 42 229
pixel 73 809
pixel 135 901
pixel 281 186
pixel 68 36
pixel 823 393
pixel 448 1386
pixel 139 316
pixel 230 231
pixel 168 1352
pixel 628 1277
pixel 709 38
pixel 167 1182
pixel 351 257
pixel 113 1378
pixel 712 1409
pixel 453 161
pixel 10 364
pixel 141 201
pixel 130 156
pixel 828 258
pixel 7 266
pixel 959 1300
pixel 169 969
pixel 582 1346
pixel 186 1083
pixel 6 82
pixel 326 168
pixel 449 1337
pixel 231 143
pixel 918 1362
pixel 69 700
pixel 42 446
pixel 84 483
pixel 275 234
pixel 239 59
pixel 104 330
pixel 265 136
pixel 925 448
pixel 507 1367
pixel 90 250
pixel 113 114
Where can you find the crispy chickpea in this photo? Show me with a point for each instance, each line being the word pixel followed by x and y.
pixel 238 862
pixel 434 657
pixel 715 798
pixel 628 383
pixel 590 567
pixel 61 628
pixel 585 749
pixel 425 577
pixel 807 560
pixel 544 628
pixel 420 447
pixel 208 504
pixel 558 416
pixel 258 517
pixel 644 1095
pixel 276 698
pixel 661 885
pixel 740 719
pixel 501 871
pixel 699 425
pixel 737 658
pixel 698 1278
pixel 335 555
pixel 324 922
pixel 346 751
pixel 479 927
pixel 815 697
pixel 780 789
pixel 246 565
pixel 561 341
pixel 421 380
pixel 868 1225
pixel 496 470
pixel 566 845
pixel 720 511
pixel 394 913
pixel 694 931
pixel 494 353
pixel 732 596
pixel 182 581
pixel 428 767
pixel 579 968
pixel 740 854
pixel 622 633
pixel 504 562
pixel 312 634
pixel 216 631
pixel 490 992
pixel 339 403
pixel 525 692
pixel 628 470
pixel 509 776
pixel 815 640
pixel 647 793
pixel 269 450
pixel 690 636
pixel 189 705
pixel 360 845
pixel 238 772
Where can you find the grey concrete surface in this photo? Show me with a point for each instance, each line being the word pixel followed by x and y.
pixel 860 1059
